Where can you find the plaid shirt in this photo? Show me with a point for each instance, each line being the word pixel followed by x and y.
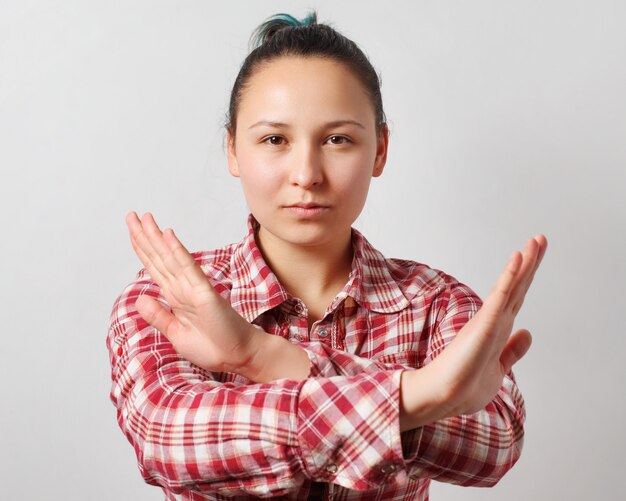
pixel 210 436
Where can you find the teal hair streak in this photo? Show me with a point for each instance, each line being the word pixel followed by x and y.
pixel 276 22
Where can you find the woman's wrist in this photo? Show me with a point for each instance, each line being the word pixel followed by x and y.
pixel 275 358
pixel 420 399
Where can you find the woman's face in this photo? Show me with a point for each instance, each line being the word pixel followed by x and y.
pixel 306 148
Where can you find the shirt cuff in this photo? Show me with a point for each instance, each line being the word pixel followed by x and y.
pixel 349 430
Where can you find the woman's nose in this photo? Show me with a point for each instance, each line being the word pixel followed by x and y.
pixel 306 169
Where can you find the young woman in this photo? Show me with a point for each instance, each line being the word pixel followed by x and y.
pixel 300 363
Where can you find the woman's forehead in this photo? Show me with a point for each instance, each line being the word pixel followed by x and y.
pixel 285 88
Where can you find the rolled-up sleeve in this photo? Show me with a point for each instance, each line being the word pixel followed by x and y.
pixel 470 450
pixel 191 429
pixel 475 449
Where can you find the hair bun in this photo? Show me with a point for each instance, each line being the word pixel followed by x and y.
pixel 276 23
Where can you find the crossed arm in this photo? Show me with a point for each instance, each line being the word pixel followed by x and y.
pixel 154 390
pixel 205 330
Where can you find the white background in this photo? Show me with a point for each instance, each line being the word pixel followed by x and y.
pixel 508 118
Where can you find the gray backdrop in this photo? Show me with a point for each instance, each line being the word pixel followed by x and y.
pixel 508 118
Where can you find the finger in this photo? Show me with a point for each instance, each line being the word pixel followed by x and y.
pixel 529 257
pixel 516 347
pixel 190 269
pixel 137 232
pixel 153 233
pixel 158 250
pixel 542 241
pixel 154 273
pixel 499 294
pixel 178 264
pixel 158 316
pixel 142 247
pixel 147 236
pixel 519 295
pixel 133 223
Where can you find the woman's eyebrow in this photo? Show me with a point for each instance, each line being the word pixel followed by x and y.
pixel 268 123
pixel 335 123
pixel 338 123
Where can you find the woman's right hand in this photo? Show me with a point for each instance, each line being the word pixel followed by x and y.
pixel 467 374
pixel 201 325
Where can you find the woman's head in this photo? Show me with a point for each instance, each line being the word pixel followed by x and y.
pixel 306 135
pixel 284 36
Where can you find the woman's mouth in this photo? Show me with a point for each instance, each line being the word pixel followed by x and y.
pixel 308 210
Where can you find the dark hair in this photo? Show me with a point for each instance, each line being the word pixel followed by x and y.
pixel 283 35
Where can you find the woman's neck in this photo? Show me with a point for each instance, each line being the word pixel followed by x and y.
pixel 308 272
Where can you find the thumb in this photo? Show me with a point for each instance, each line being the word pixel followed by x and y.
pixel 157 315
pixel 515 348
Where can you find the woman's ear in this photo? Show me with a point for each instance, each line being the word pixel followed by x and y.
pixel 233 167
pixel 382 143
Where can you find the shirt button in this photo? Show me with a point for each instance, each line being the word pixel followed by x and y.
pixel 120 351
pixel 298 307
pixel 299 337
pixel 387 469
pixel 331 468
pixel 322 332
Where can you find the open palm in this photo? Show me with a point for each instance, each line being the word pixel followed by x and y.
pixel 201 324
pixel 471 368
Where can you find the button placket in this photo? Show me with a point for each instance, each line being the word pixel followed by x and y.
pixel 294 333
pixel 331 468
pixel 387 468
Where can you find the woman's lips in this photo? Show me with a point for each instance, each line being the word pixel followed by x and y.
pixel 307 210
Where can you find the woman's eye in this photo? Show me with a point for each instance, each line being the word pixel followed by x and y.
pixel 274 140
pixel 338 139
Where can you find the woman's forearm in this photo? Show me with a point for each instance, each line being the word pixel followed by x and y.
pixel 278 358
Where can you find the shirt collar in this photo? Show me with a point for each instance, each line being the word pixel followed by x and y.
pixel 255 288
pixel 370 282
